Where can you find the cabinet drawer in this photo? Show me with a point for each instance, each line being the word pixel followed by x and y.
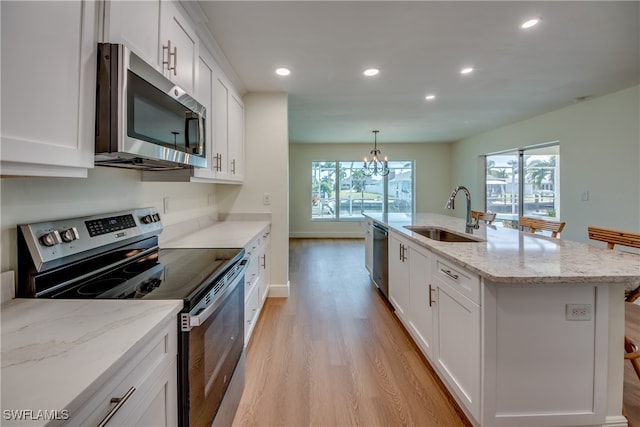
pixel 132 380
pixel 460 279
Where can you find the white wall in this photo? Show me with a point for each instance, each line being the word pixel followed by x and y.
pixel 26 200
pixel 599 153
pixel 266 171
pixel 432 178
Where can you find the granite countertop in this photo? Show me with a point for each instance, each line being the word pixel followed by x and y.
pixel 223 234
pixel 57 353
pixel 510 256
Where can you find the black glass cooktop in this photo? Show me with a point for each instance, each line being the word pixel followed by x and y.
pixel 162 274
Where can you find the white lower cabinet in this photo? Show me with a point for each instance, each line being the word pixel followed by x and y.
pixel 143 391
pixel 256 279
pixel 368 246
pixel 423 300
pixel 399 292
pixel 456 332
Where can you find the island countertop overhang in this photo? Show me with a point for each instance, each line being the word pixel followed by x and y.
pixel 510 256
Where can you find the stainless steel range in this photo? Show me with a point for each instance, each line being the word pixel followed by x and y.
pixel 116 256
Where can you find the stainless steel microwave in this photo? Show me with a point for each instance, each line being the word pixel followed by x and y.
pixel 143 120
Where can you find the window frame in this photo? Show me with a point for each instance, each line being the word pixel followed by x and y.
pixel 521 174
pixel 385 187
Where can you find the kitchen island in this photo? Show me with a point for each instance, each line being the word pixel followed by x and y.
pixel 523 329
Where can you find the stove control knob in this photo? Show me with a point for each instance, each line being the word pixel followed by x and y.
pixel 51 239
pixel 70 234
pixel 147 219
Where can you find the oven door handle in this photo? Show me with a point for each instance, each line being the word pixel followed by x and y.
pixel 189 320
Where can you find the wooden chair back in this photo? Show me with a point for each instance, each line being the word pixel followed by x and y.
pixel 616 237
pixel 535 224
pixel 487 217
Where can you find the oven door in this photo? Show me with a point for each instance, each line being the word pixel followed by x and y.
pixel 210 354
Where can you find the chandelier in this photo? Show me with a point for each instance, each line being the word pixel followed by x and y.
pixel 375 166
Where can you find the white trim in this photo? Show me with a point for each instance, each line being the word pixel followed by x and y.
pixel 615 421
pixel 279 291
pixel 327 235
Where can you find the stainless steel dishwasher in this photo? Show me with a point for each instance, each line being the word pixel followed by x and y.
pixel 381 258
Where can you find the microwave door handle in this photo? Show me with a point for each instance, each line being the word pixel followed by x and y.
pixel 187 120
pixel 189 116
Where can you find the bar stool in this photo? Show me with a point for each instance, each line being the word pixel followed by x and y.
pixel 632 240
pixel 487 217
pixel 616 237
pixel 535 224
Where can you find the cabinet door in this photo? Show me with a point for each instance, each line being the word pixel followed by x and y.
pixel 368 246
pixel 221 126
pixel 204 94
pixel 422 304
pixel 136 24
pixel 251 308
pixel 236 138
pixel 457 345
pixel 179 45
pixel 48 87
pixel 265 269
pixel 159 407
pixel 399 293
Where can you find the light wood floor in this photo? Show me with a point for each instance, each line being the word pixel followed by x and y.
pixel 333 354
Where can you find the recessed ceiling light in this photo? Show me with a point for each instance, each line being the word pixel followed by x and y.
pixel 466 70
pixel 530 23
pixel 370 72
pixel 430 97
pixel 283 71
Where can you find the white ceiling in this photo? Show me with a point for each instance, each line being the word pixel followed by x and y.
pixel 579 49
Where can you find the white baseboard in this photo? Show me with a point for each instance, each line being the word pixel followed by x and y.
pixel 279 291
pixel 328 235
pixel 615 421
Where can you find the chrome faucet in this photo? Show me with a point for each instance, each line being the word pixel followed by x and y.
pixel 469 226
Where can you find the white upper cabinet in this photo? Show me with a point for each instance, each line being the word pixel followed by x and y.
pixel 204 94
pixel 236 138
pixel 136 24
pixel 48 87
pixel 157 32
pixel 179 45
pixel 228 131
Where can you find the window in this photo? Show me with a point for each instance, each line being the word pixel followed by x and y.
pixel 524 182
pixel 340 191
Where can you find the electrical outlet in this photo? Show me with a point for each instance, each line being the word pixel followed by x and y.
pixel 166 204
pixel 578 311
pixel 584 196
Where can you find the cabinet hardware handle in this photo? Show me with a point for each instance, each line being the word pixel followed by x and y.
pixel 430 293
pixel 400 251
pixel 233 166
pixel 449 273
pixel 264 261
pixel 169 55
pixel 218 165
pixel 119 401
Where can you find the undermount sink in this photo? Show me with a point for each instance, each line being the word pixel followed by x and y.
pixel 440 234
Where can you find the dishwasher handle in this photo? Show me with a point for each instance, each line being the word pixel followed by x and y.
pixel 381 229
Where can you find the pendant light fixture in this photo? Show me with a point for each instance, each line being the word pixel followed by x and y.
pixel 375 166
